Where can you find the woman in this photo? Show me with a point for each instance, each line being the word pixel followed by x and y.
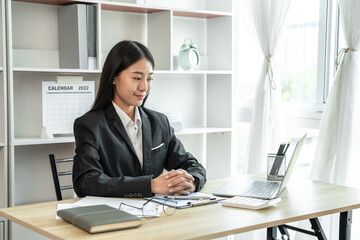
pixel 122 147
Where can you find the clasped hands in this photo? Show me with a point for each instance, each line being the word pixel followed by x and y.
pixel 177 182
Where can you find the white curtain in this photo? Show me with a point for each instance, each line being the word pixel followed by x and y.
pixel 337 158
pixel 266 129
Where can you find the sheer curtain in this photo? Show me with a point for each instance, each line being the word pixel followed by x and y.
pixel 337 153
pixel 266 128
pixel 337 158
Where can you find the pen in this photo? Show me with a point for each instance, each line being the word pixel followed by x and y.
pixel 281 149
pixel 187 198
pixel 204 203
pixel 286 148
pixel 211 200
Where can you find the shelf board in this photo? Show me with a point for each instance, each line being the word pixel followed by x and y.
pixel 201 130
pixel 200 13
pixel 57 2
pixel 55 70
pixel 194 72
pixel 61 70
pixel 71 139
pixel 137 8
pixel 40 141
pixel 128 7
pixel 2 144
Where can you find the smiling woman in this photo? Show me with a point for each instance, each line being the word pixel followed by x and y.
pixel 122 147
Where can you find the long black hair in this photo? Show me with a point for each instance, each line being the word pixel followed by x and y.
pixel 120 57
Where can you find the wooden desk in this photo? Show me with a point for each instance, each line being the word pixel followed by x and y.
pixel 303 199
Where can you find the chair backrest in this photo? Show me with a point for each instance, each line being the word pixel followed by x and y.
pixel 56 174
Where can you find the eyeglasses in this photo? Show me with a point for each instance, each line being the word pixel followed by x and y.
pixel 150 209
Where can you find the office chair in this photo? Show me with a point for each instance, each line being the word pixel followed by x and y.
pixel 56 174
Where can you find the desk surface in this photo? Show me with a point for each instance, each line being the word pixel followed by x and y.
pixel 303 199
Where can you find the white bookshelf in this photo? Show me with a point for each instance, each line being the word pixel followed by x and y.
pixel 3 123
pixel 203 97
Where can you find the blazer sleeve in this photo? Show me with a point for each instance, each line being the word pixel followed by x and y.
pixel 88 174
pixel 178 157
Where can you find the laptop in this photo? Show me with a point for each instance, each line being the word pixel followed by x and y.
pixel 260 189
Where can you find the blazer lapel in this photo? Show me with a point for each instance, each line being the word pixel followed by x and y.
pixel 147 141
pixel 115 120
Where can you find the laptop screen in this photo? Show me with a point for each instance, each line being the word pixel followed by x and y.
pixel 291 166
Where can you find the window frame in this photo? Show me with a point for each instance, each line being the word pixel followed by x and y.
pixel 304 114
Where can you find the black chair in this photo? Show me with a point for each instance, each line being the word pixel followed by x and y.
pixel 56 174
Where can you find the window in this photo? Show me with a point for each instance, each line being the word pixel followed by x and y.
pixel 304 67
pixel 297 54
pixel 303 60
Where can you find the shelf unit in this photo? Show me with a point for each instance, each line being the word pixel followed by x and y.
pixel 203 97
pixel 3 122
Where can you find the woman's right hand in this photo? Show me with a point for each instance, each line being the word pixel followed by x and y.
pixel 177 182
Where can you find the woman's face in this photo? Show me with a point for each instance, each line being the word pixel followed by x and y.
pixel 132 85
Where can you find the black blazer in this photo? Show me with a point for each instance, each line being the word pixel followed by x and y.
pixel 105 163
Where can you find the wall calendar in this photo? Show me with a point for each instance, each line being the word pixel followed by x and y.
pixel 62 103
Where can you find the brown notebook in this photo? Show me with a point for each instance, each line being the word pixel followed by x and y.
pixel 99 218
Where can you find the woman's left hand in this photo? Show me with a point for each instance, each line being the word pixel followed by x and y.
pixel 180 182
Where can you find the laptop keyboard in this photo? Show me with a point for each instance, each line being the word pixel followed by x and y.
pixel 262 188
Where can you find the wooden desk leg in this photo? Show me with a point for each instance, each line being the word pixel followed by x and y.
pixel 345 225
pixel 271 233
